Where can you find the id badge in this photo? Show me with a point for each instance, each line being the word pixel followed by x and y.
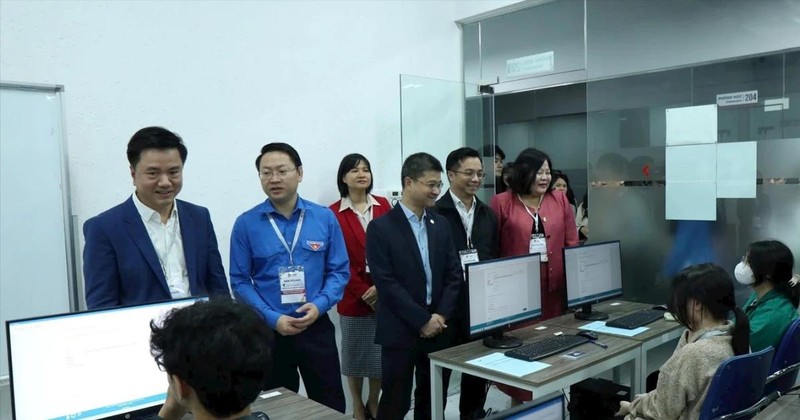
pixel 293 285
pixel 539 245
pixel 467 256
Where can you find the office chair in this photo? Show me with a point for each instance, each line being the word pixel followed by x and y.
pixel 737 388
pixel 786 363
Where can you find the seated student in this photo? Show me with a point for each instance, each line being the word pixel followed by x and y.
pixel 217 356
pixel 767 268
pixel 701 300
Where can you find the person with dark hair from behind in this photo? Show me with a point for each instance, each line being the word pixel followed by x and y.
pixel 767 268
pixel 361 357
pixel 217 356
pixel 152 247
pixel 475 234
pixel 289 261
pixel 701 300
pixel 418 275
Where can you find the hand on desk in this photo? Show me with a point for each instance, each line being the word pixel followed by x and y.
pixel 434 327
pixel 795 279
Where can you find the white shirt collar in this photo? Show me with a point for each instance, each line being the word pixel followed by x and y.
pixel 458 203
pixel 348 204
pixel 149 214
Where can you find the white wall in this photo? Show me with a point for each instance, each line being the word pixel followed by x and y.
pixel 230 77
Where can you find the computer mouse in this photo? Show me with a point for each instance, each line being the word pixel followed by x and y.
pixel 588 334
pixel 660 307
pixel 260 415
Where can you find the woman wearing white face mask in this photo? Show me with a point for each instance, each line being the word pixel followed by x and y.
pixel 767 268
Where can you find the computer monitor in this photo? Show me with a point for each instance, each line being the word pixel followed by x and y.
pixel 594 274
pixel 501 293
pixel 550 409
pixel 87 365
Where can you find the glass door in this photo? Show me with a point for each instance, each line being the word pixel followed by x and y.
pixel 439 116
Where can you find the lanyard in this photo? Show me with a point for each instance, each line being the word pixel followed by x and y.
pixel 163 258
pixel 468 222
pixel 296 235
pixel 535 216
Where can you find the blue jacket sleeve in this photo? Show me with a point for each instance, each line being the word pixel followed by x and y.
pixel 216 282
pixel 337 267
pixel 241 267
pixel 100 274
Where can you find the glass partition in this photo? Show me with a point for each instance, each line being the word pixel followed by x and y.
pixel 626 140
pixel 439 116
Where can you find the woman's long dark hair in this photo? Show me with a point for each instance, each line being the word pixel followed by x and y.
pixel 712 286
pixel 569 193
pixel 585 204
pixel 773 261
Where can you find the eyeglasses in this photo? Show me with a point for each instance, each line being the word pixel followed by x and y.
pixel 431 185
pixel 280 173
pixel 472 174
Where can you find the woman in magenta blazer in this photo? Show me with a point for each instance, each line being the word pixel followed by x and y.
pixel 531 215
pixel 361 357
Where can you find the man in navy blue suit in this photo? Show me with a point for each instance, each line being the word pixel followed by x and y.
pixel 152 247
pixel 418 277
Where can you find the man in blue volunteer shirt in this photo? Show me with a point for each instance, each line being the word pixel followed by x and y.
pixel 289 262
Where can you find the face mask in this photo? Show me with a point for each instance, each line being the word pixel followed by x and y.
pixel 744 274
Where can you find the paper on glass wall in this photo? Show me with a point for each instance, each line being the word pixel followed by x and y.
pixel 692 125
pixel 691 192
pixel 736 170
pixel 691 201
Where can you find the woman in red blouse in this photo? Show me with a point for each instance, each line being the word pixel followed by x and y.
pixel 361 357
pixel 535 218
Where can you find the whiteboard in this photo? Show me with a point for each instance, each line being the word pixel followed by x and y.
pixel 37 275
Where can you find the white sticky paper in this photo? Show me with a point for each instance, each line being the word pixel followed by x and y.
pixel 692 125
pixel 540 328
pixel 691 201
pixel 615 304
pixel 736 170
pixel 697 163
pixel 270 394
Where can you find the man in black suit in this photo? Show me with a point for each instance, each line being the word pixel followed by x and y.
pixel 418 276
pixel 476 237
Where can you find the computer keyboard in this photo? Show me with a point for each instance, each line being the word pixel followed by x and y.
pixel 636 319
pixel 548 346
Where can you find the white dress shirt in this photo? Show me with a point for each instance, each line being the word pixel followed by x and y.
pixel 364 217
pixel 467 215
pixel 168 242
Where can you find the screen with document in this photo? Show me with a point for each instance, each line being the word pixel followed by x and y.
pixel 503 292
pixel 593 272
pixel 86 365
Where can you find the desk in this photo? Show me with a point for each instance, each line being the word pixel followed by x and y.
pixel 561 374
pixel 289 405
pixel 658 333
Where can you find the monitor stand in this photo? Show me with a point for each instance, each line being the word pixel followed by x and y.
pixel 499 341
pixel 587 314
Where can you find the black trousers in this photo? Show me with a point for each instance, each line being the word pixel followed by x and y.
pixel 314 354
pixel 473 388
pixel 400 366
